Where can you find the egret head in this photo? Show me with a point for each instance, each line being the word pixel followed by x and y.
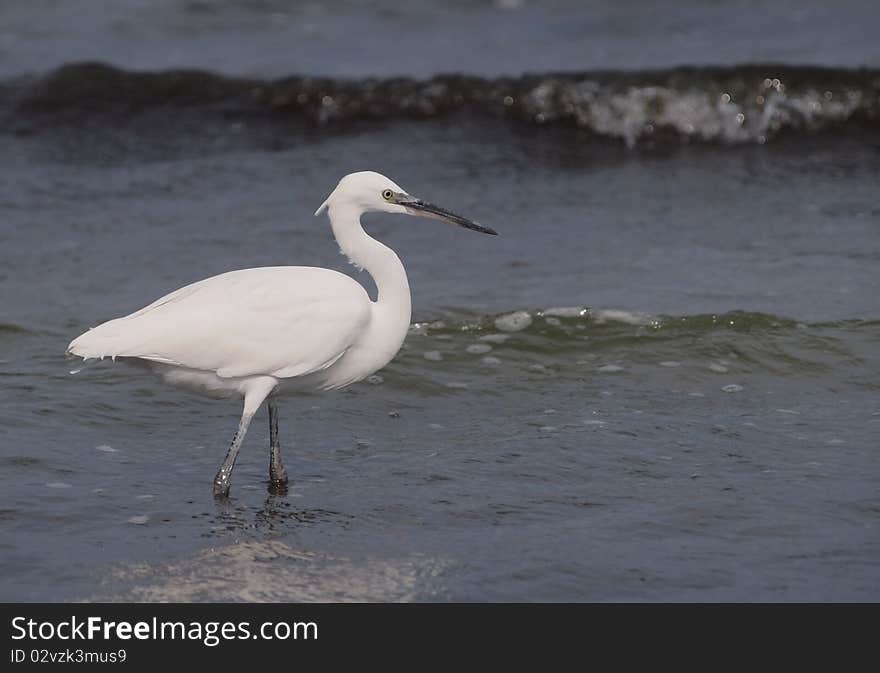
pixel 367 191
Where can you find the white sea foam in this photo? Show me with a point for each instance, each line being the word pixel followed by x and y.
pixel 637 111
pixel 513 322
pixel 565 311
pixel 615 315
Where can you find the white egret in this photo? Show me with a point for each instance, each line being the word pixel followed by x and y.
pixel 253 330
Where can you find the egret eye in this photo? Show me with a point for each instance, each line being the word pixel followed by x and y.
pixel 387 194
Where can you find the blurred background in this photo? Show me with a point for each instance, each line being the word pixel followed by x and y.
pixel 356 38
pixel 658 383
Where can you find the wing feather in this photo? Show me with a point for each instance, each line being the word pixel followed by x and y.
pixel 277 321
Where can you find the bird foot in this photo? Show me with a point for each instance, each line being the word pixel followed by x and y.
pixel 221 487
pixel 277 488
pixel 278 482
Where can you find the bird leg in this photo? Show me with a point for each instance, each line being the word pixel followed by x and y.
pixel 255 391
pixel 224 474
pixel 277 473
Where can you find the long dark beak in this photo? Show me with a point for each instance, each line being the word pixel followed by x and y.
pixel 424 209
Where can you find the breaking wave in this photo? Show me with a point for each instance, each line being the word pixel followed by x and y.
pixel 745 104
pixel 566 342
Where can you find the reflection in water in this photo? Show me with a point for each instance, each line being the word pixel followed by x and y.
pixel 272 571
pixel 277 515
pixel 246 566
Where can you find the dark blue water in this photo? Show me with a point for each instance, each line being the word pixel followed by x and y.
pixel 658 383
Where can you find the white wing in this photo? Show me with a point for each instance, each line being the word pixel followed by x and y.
pixel 279 321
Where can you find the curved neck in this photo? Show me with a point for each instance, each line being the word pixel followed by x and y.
pixel 380 261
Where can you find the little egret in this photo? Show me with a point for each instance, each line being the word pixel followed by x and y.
pixel 253 330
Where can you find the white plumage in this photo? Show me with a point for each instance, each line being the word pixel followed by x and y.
pixel 283 321
pixel 253 330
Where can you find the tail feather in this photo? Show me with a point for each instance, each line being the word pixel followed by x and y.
pixel 99 342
